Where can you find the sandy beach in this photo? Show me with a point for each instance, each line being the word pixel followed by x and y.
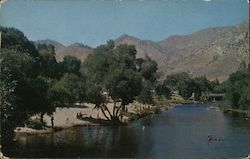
pixel 67 117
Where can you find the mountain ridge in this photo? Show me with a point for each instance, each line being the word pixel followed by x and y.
pixel 215 52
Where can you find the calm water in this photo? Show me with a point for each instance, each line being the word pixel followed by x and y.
pixel 178 133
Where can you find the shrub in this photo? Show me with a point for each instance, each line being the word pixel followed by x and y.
pixel 36 124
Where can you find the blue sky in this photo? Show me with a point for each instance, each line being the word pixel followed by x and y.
pixel 93 22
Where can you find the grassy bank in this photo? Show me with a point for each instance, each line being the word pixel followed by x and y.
pixel 230 110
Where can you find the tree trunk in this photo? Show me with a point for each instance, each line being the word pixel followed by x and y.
pixel 108 111
pixel 103 112
pixel 117 111
pixel 114 108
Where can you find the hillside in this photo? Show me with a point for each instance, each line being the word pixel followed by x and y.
pixel 78 50
pixel 214 52
pixel 56 44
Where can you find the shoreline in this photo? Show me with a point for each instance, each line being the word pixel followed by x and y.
pixel 230 110
pixel 67 117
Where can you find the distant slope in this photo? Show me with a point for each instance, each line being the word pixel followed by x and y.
pixel 143 47
pixel 214 52
pixel 57 45
pixel 78 50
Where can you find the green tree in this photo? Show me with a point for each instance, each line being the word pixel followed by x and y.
pixel 114 69
pixel 162 89
pixel 70 64
pixel 148 69
pixel 15 72
pixel 14 39
pixel 146 95
pixel 69 89
pixel 236 86
pixel 48 60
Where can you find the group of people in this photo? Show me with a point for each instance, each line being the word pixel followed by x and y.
pixel 212 138
pixel 79 115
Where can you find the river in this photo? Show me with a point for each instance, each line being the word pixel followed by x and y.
pixel 178 133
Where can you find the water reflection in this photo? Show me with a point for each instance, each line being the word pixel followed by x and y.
pixel 180 132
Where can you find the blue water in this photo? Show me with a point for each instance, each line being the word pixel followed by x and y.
pixel 178 133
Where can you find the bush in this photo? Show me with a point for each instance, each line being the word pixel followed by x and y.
pixel 36 124
pixel 157 110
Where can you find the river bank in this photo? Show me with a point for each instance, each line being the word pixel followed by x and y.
pixel 64 118
pixel 230 110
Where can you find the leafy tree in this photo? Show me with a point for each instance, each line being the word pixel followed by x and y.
pixel 15 71
pixel 70 64
pixel 162 89
pixel 22 92
pixel 48 60
pixel 148 69
pixel 174 81
pixel 236 86
pixel 13 39
pixel 68 90
pixel 114 69
pixel 244 101
pixel 94 95
pixel 146 94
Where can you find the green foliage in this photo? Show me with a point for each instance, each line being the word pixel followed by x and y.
pixel 237 89
pixel 13 39
pixel 36 124
pixel 94 95
pixel 162 89
pixel 123 84
pixel 15 70
pixel 113 70
pixel 188 85
pixel 70 64
pixel 146 94
pixel 176 81
pixel 23 93
pixel 148 69
pixel 48 60
pixel 69 89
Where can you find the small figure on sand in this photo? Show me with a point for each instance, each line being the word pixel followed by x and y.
pixel 79 115
pixel 52 121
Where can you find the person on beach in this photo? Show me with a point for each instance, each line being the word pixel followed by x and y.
pixel 52 121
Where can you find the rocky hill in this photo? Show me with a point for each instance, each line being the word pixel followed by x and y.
pixel 214 52
pixel 77 49
pixel 56 44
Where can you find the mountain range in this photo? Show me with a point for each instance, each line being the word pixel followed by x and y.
pixel 214 52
